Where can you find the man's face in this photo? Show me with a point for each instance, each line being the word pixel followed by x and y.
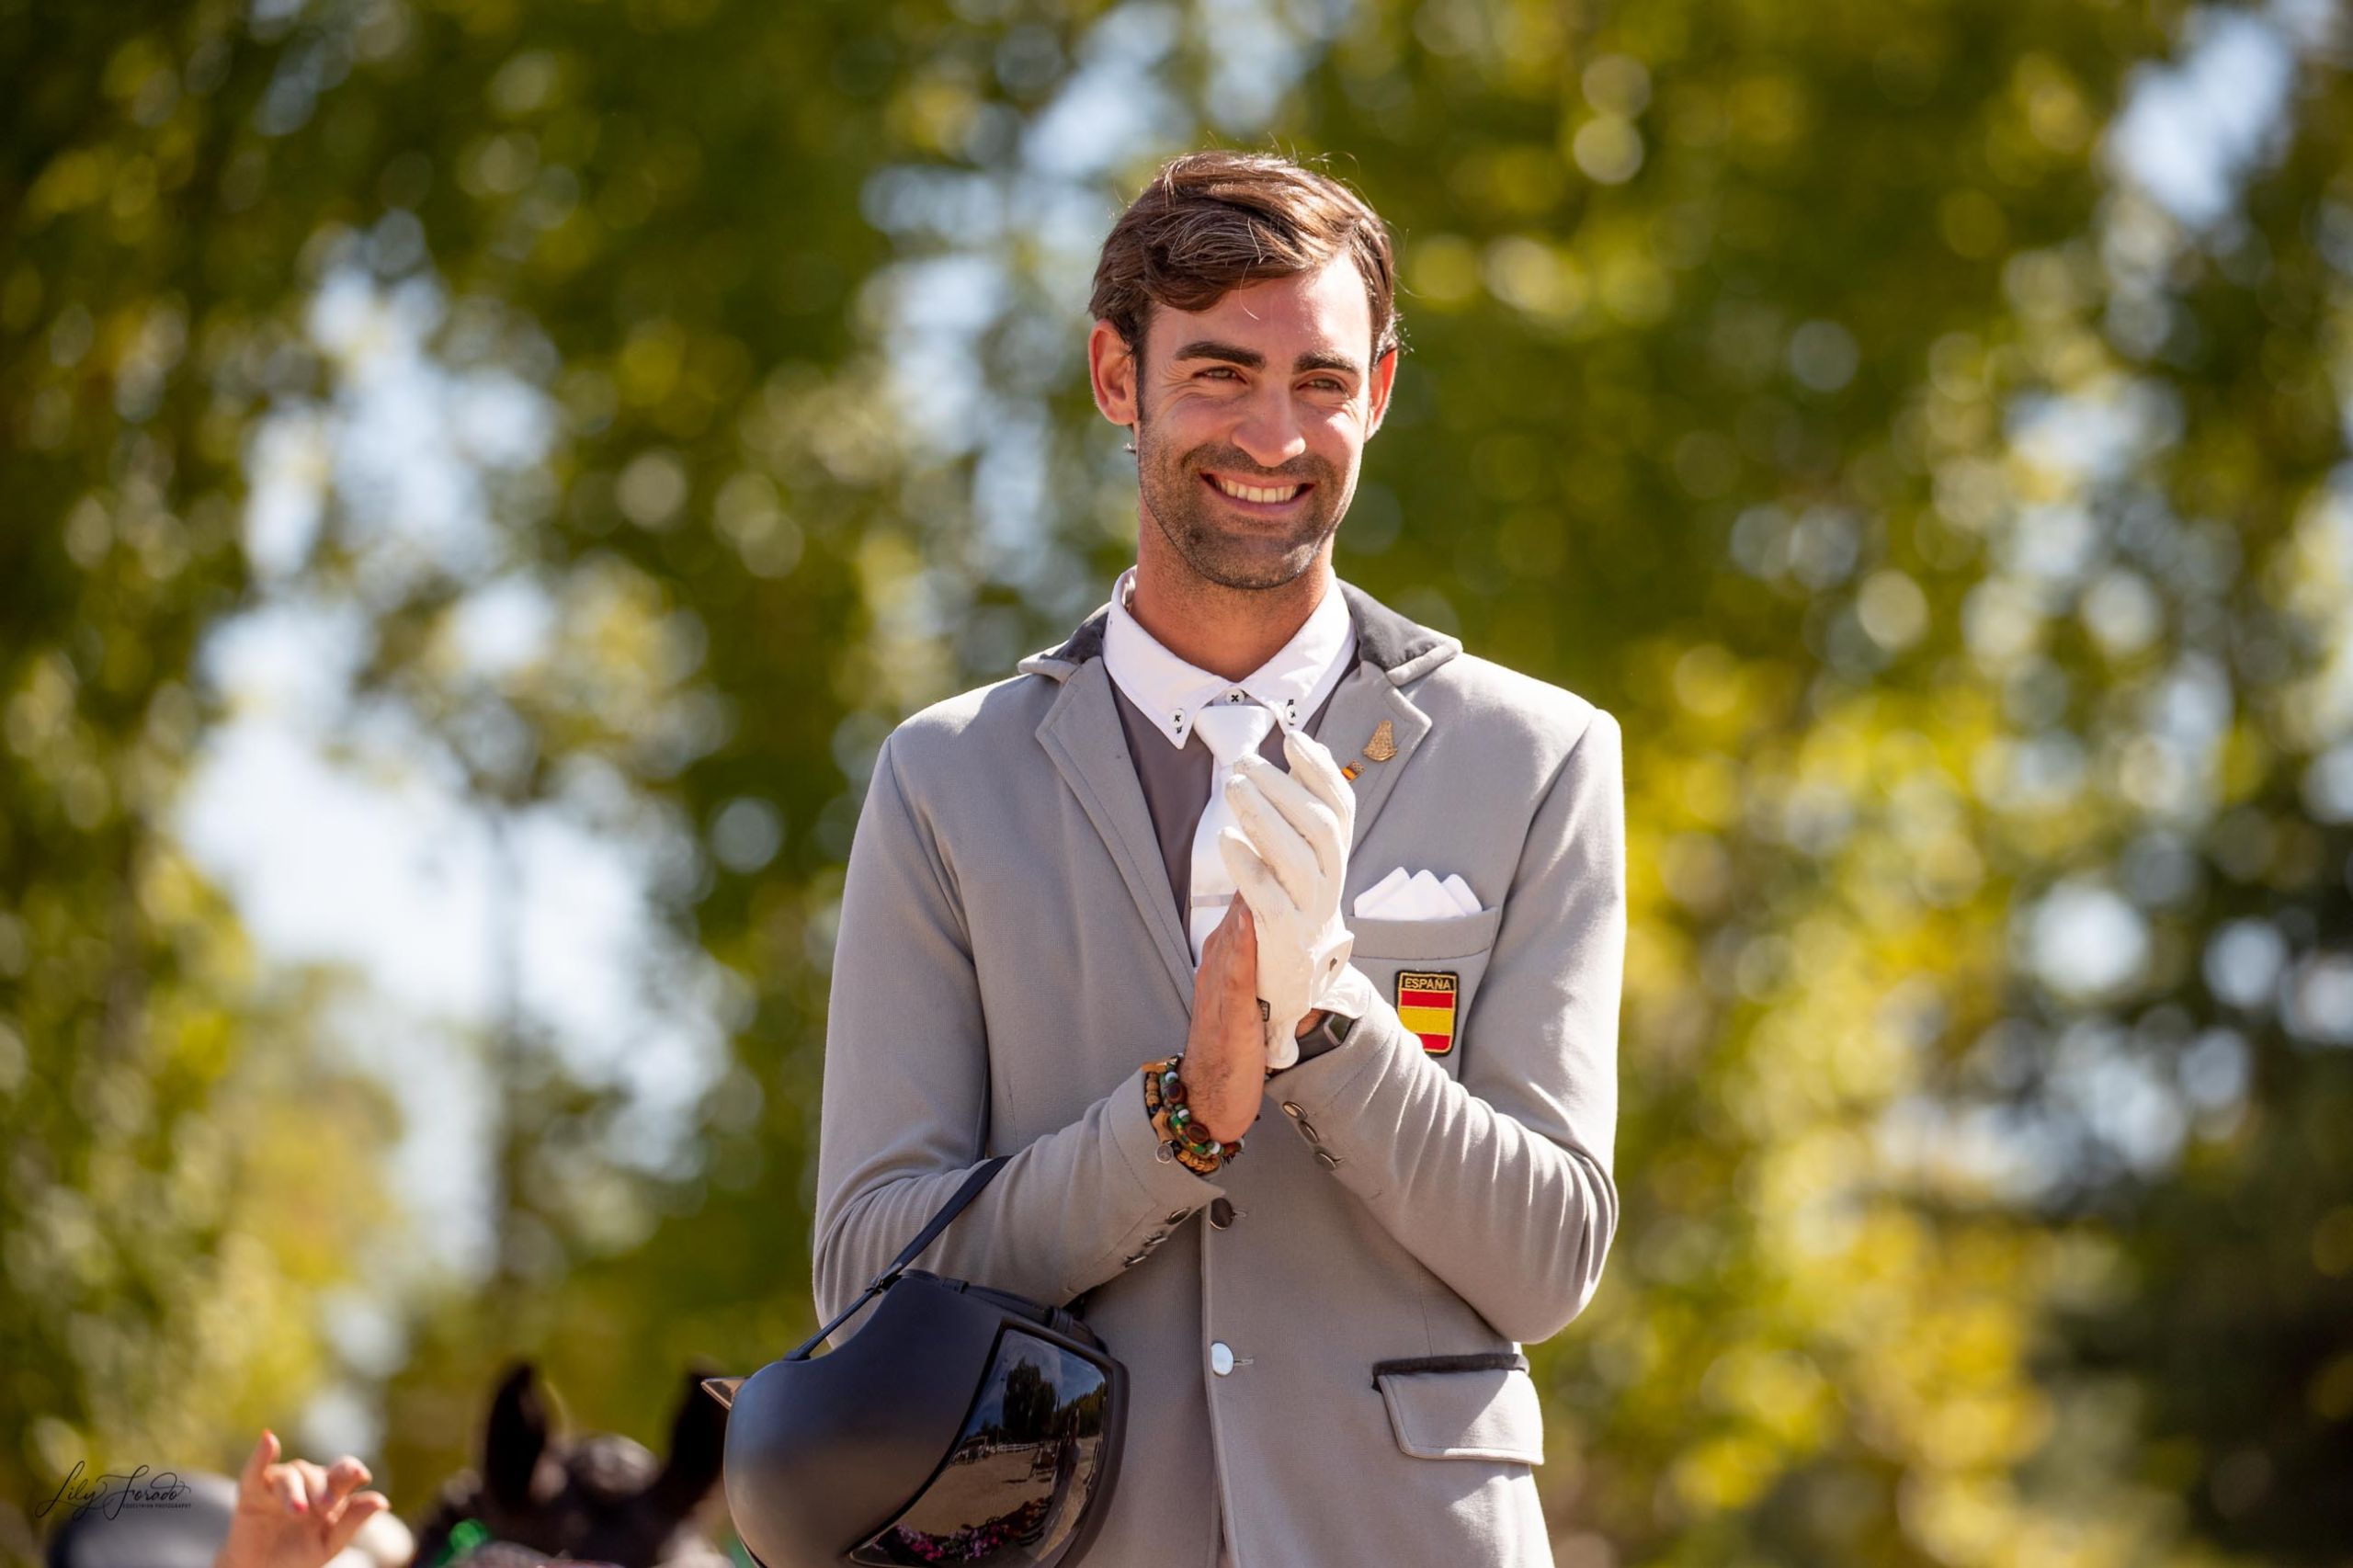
pixel 1269 391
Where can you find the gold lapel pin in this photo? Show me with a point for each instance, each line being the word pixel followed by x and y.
pixel 1381 748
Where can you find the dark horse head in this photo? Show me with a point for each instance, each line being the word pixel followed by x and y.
pixel 601 1498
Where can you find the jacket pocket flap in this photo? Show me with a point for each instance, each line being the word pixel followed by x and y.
pixel 1446 937
pixel 1477 1413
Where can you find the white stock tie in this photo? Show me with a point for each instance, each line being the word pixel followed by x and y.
pixel 1231 731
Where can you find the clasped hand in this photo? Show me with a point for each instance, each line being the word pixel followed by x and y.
pixel 1288 853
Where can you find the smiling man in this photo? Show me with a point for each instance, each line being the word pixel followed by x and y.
pixel 1350 876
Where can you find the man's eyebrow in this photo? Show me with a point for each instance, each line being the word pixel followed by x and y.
pixel 1328 362
pixel 1250 358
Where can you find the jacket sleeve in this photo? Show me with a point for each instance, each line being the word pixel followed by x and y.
pixel 1501 1183
pixel 905 1103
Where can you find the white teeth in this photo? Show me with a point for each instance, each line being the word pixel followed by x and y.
pixel 1246 493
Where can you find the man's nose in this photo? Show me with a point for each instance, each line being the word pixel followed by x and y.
pixel 1269 432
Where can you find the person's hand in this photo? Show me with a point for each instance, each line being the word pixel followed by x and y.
pixel 1288 856
pixel 1225 1052
pixel 295 1515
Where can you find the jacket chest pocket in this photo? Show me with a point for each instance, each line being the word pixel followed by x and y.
pixel 1428 971
pixel 1463 1407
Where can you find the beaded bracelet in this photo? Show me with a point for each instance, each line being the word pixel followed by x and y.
pixel 1182 1138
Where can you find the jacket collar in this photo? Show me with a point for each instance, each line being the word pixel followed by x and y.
pixel 1404 649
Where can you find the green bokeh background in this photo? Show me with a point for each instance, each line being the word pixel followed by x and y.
pixel 1962 534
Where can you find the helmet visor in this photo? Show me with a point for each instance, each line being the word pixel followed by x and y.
pixel 1025 1468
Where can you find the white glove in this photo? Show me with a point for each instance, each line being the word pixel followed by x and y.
pixel 1288 853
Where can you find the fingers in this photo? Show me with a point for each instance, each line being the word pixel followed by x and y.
pixel 344 1477
pixel 1308 814
pixel 314 1482
pixel 252 1477
pixel 1228 929
pixel 1279 843
pixel 1230 952
pixel 1250 873
pixel 1313 764
pixel 362 1507
pixel 327 1495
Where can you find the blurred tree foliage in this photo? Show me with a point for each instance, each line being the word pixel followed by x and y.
pixel 1961 535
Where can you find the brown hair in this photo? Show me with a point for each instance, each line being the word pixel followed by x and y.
pixel 1211 221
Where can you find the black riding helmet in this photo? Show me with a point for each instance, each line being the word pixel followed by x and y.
pixel 959 1424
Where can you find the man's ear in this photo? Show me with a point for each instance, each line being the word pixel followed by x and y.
pixel 1385 375
pixel 1111 368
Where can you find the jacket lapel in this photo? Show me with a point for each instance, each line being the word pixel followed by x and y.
pixel 1359 705
pixel 1080 732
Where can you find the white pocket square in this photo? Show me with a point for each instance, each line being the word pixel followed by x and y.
pixel 1418 896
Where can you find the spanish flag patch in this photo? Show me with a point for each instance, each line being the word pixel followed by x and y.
pixel 1426 1003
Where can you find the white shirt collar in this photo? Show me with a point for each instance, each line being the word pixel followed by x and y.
pixel 1169 691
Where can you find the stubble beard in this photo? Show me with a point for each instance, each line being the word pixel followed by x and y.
pixel 1218 545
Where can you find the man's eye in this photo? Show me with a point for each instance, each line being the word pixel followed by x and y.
pixel 1221 370
pixel 1328 384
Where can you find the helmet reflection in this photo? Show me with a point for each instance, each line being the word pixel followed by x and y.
pixel 1017 1483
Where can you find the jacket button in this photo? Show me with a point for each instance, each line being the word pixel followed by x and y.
pixel 1307 1130
pixel 1329 1160
pixel 1221 1214
pixel 1130 1262
pixel 1178 1216
pixel 1154 1240
pixel 1220 1358
pixel 1291 1110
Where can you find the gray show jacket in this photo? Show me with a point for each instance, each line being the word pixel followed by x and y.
pixel 1400 1222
